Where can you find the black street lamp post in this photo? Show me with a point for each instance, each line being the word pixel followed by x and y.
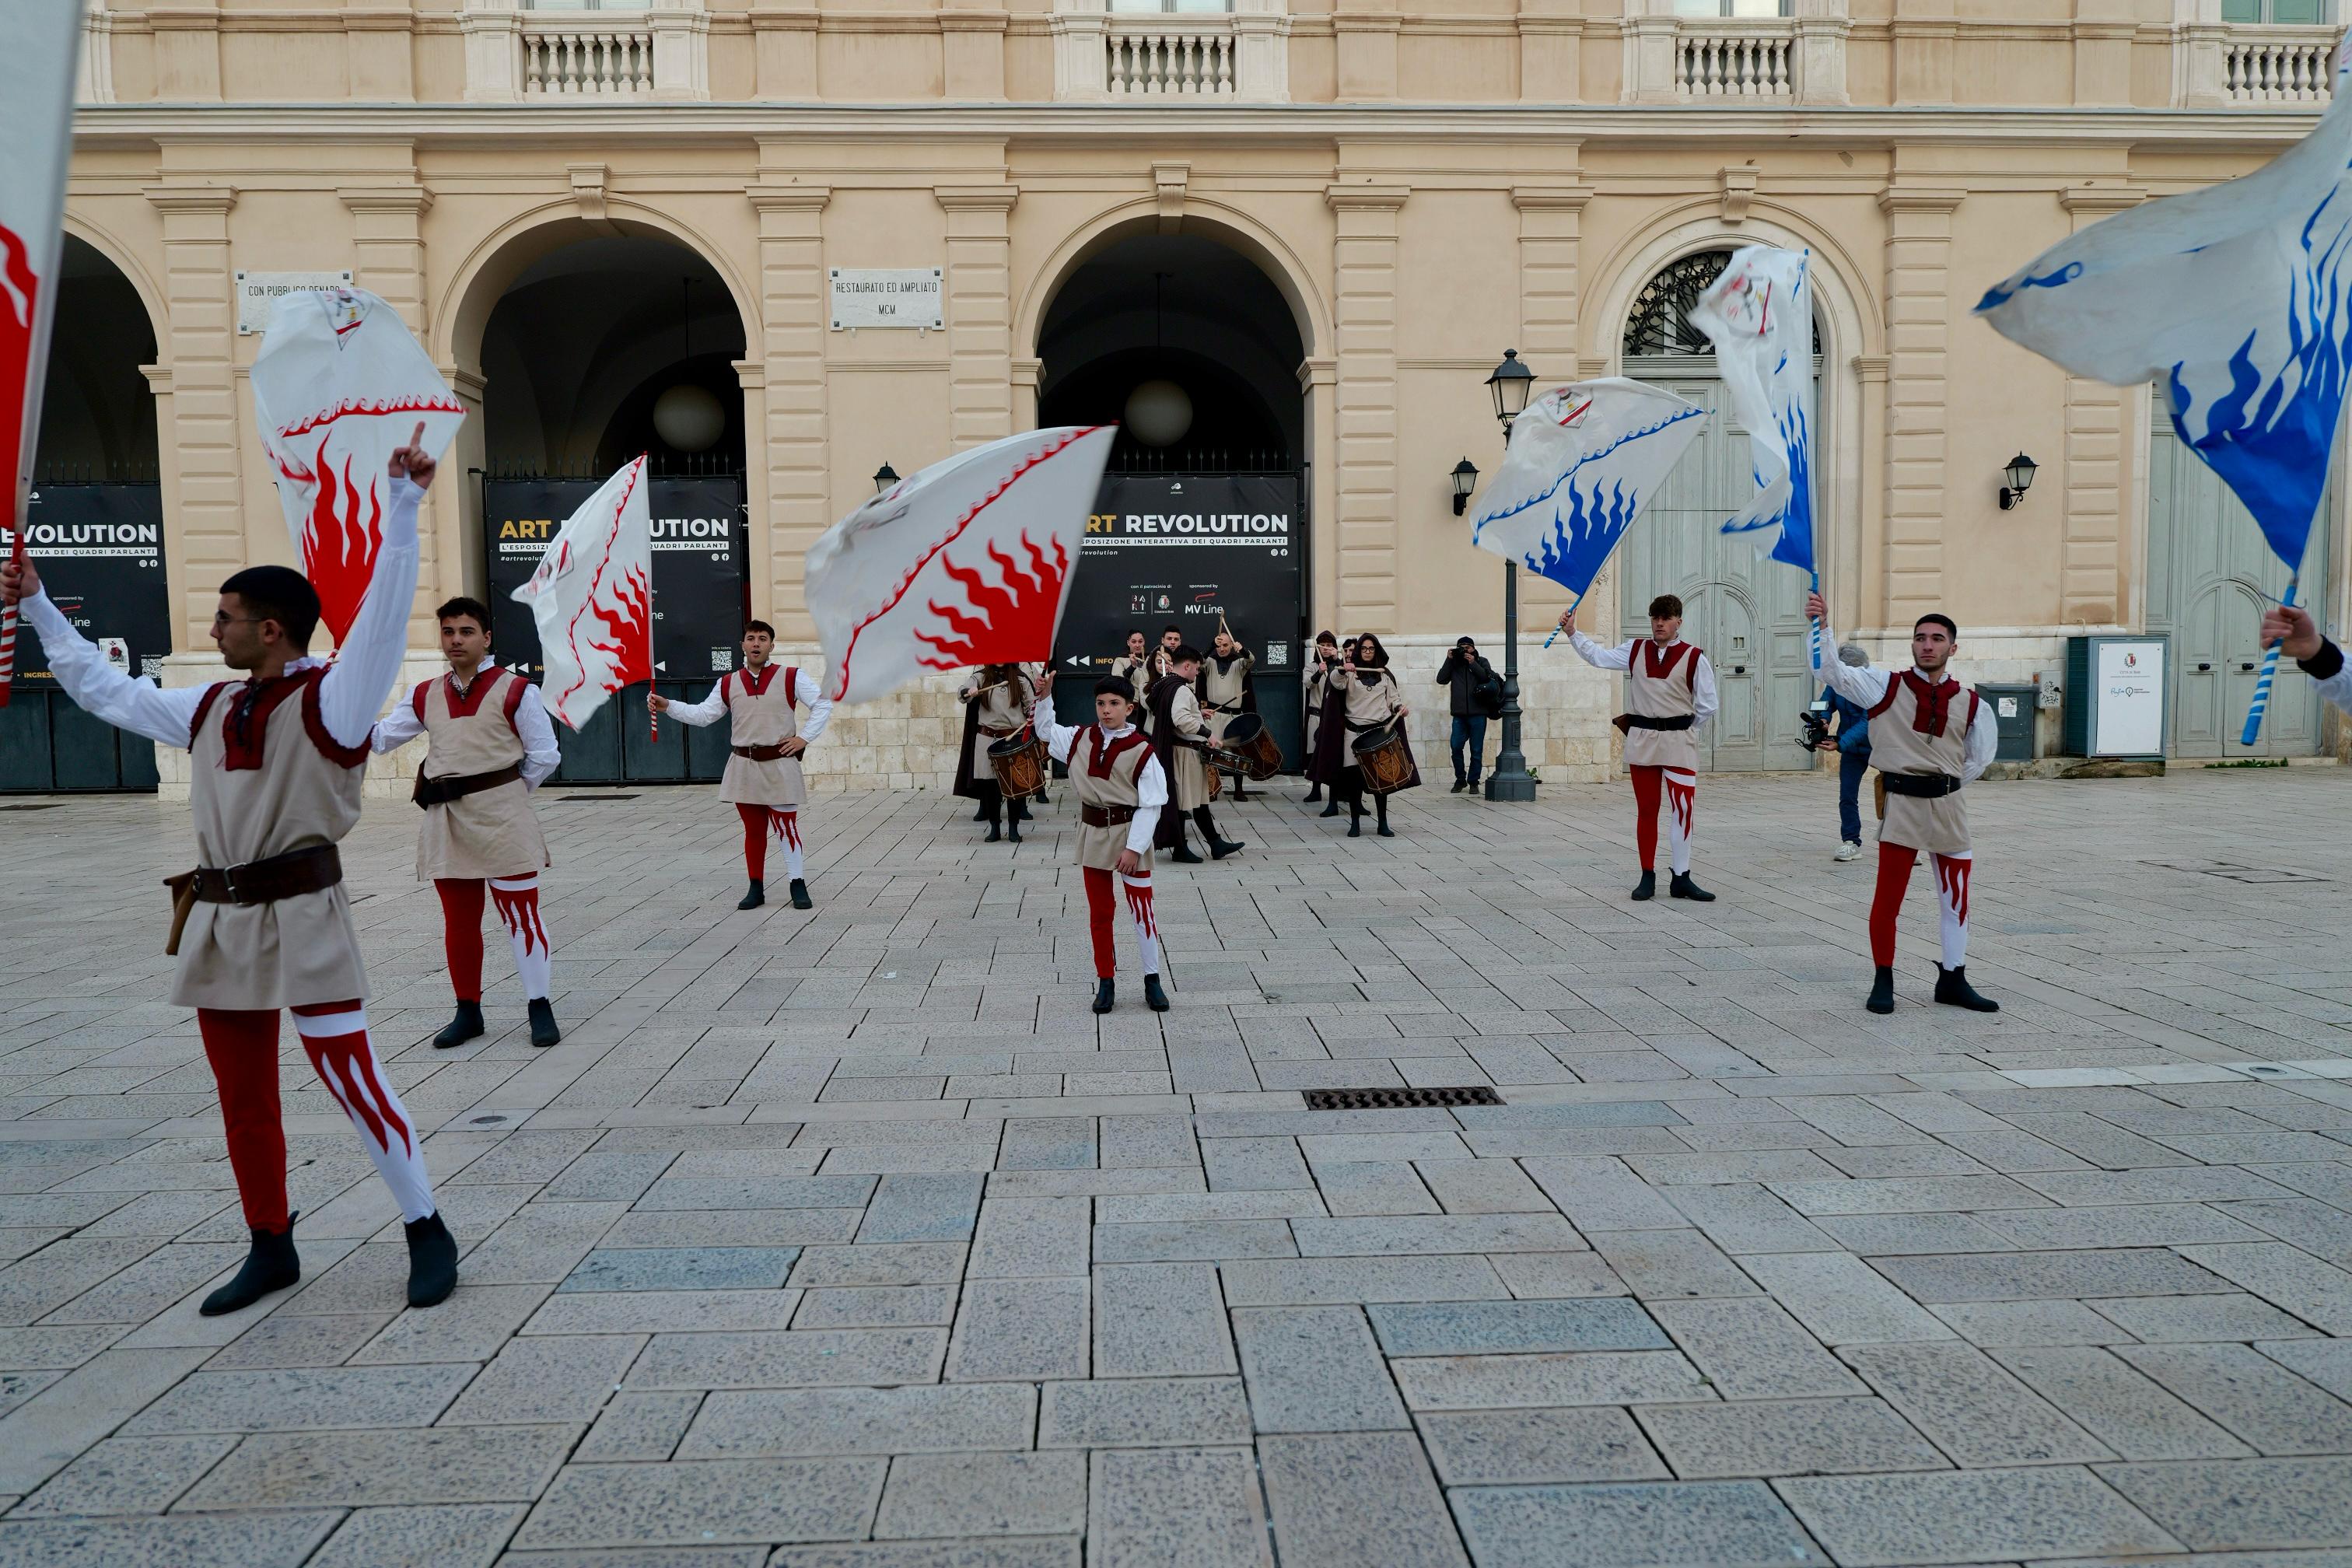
pixel 1512 384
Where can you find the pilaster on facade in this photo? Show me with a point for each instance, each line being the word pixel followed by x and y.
pixel 1918 334
pixel 1366 416
pixel 1366 42
pixel 972 51
pixel 94 74
pixel 783 52
pixel 1551 222
pixel 1926 51
pixel 979 311
pixel 2096 558
pixel 205 452
pixel 187 50
pixel 790 353
pixel 1551 52
pixel 380 49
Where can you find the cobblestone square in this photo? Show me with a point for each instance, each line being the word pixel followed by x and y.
pixel 851 1239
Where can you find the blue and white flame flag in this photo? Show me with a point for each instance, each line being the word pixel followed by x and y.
pixel 1759 316
pixel 2232 300
pixel 1583 461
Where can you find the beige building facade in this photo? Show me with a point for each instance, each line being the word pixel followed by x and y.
pixel 1325 222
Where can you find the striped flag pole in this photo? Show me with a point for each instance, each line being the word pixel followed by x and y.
pixel 8 625
pixel 2270 669
pixel 1555 630
pixel 1816 626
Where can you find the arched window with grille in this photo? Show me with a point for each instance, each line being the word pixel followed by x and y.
pixel 1659 326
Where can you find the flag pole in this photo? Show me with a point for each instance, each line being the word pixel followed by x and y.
pixel 8 618
pixel 1572 606
pixel 2270 669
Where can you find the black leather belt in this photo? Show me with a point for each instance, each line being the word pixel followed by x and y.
pixel 1105 816
pixel 287 875
pixel 1644 721
pixel 1920 786
pixel 455 786
pixel 760 754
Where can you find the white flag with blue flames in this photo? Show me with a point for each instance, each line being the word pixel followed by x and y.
pixel 1584 460
pixel 2234 301
pixel 1759 316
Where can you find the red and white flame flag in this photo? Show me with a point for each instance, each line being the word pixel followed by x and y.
pixel 338 387
pixel 966 562
pixel 592 597
pixel 37 86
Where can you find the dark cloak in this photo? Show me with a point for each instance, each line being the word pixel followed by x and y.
pixel 980 785
pixel 1334 753
pixel 1161 701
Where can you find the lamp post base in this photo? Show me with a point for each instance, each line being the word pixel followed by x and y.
pixel 1516 785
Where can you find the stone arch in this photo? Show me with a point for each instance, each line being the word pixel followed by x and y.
pixel 481 279
pixel 123 260
pixel 1229 226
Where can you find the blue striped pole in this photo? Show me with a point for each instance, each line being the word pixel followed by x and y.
pixel 2263 681
pixel 1817 628
pixel 1555 630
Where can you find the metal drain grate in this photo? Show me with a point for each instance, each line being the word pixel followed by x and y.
pixel 1398 1098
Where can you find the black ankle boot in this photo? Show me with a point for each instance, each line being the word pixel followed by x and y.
pixel 271 1265
pixel 1952 988
pixel 432 1261
pixel 543 1032
pixel 1220 847
pixel 1314 792
pixel 1882 991
pixel 466 1026
pixel 1647 887
pixel 800 901
pixel 1682 887
pixel 756 897
pixel 1153 998
pixel 995 832
pixel 1355 821
pixel 1182 855
pixel 1383 829
pixel 1332 808
pixel 1105 991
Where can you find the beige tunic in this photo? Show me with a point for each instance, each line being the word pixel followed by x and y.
pixel 280 782
pixel 1311 686
pixel 492 833
pixel 1364 706
pixel 1137 672
pixel 764 715
pixel 1897 745
pixel 1109 778
pixel 1660 684
pixel 1188 774
pixel 1002 710
pixel 1222 690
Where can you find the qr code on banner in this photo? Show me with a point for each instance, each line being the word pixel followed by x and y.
pixel 722 659
pixel 1277 653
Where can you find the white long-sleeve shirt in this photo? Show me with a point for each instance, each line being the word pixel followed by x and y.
pixel 2335 688
pixel 349 697
pixel 713 708
pixel 1865 685
pixel 1703 698
pixel 1151 781
pixel 541 755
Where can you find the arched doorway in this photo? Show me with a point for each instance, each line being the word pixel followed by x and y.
pixel 96 532
pixel 1749 614
pixel 603 347
pixel 1195 352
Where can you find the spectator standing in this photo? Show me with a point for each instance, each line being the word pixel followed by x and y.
pixel 1478 695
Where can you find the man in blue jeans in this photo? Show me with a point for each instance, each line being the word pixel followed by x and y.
pixel 1850 738
pixel 1471 680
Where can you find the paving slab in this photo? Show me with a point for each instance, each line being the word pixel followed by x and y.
pixel 1357 1500
pixel 1970 1516
pixel 1735 1524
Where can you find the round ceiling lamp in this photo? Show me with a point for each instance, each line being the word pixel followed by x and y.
pixel 1159 413
pixel 690 419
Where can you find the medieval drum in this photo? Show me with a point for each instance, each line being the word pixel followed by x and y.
pixel 1247 738
pixel 1382 754
pixel 1020 766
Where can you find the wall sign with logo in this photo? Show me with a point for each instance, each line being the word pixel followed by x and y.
pixel 1188 550
pixel 888 297
pixel 257 292
pixel 2115 700
pixel 99 550
pixel 699 568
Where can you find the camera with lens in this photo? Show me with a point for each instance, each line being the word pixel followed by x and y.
pixel 1816 723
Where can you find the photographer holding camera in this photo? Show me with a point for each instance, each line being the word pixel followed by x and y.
pixel 1477 696
pixel 1836 724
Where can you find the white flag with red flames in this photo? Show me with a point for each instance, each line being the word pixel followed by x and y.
pixel 966 562
pixel 338 387
pixel 592 598
pixel 37 87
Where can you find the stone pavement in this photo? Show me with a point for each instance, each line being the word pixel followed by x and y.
pixel 850 1239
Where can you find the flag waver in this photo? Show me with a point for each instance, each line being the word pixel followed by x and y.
pixel 968 562
pixel 1583 461
pixel 2236 302
pixel 592 599
pixel 338 387
pixel 36 84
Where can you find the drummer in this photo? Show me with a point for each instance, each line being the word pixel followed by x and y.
pixel 1178 733
pixel 997 699
pixel 1364 697
pixel 1134 666
pixel 1226 691
pixel 1312 684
